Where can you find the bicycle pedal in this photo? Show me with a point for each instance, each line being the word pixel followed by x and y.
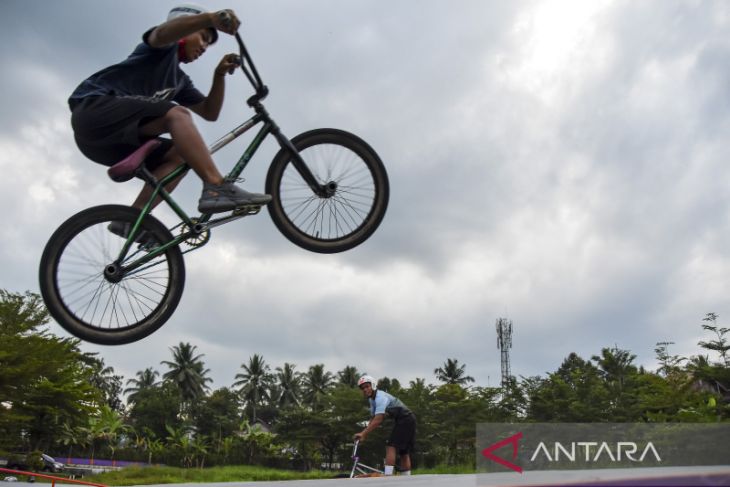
pixel 247 210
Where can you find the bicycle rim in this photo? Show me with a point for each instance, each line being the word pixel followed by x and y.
pixel 342 219
pixel 97 309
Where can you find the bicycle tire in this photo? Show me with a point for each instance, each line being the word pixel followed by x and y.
pixel 92 308
pixel 343 220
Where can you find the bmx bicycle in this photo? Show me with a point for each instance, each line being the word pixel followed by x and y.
pixel 329 193
pixel 359 467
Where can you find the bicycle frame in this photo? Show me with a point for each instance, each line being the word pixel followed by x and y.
pixel 202 223
pixel 361 467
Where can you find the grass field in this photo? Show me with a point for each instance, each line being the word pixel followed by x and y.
pixel 241 473
pixel 172 475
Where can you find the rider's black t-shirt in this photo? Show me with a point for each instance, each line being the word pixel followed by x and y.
pixel 148 73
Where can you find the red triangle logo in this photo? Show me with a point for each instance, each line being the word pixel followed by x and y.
pixel 514 440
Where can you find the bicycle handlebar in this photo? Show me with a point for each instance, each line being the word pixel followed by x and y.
pixel 246 64
pixel 249 69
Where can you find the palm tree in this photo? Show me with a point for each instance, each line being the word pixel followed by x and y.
pixel 316 383
pixel 348 376
pixel 187 372
pixel 389 385
pixel 452 373
pixel 253 383
pixel 290 385
pixel 146 379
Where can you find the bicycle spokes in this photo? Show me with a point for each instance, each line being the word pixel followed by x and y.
pixel 346 204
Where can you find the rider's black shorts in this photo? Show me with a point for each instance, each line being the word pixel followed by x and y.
pixel 106 128
pixel 403 436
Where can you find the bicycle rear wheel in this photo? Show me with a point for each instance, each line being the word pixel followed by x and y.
pixel 357 195
pixel 82 297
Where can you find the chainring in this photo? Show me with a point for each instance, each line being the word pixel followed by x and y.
pixel 195 240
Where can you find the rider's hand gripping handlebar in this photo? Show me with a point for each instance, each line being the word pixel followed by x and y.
pixel 226 21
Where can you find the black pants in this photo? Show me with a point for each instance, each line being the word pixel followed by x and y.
pixel 106 128
pixel 403 436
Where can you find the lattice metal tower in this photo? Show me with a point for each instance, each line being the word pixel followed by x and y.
pixel 504 343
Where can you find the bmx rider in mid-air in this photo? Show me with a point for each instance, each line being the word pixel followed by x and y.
pixel 117 109
pixel 402 437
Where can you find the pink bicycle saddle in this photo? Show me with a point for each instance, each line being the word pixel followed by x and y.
pixel 125 169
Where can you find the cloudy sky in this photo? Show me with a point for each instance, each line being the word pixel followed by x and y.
pixel 563 164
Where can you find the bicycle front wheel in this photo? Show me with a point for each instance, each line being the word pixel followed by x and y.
pixel 355 201
pixel 89 301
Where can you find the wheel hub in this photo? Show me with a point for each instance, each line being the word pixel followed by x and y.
pixel 329 189
pixel 113 273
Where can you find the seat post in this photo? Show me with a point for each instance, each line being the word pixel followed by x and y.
pixel 145 175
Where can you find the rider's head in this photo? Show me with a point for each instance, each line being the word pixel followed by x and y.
pixel 368 385
pixel 192 46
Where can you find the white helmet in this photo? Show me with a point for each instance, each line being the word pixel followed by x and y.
pixel 365 379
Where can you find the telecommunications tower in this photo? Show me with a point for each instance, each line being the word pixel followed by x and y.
pixel 504 343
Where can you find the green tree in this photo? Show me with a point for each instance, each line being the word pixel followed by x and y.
pixel 343 409
pixel 457 412
pixel 720 343
pixel 669 365
pixel 253 383
pixel 108 427
pixel 105 380
pixel 618 373
pixel 316 383
pixel 301 429
pixel 187 371
pixel 179 440
pixel 154 408
pixel 573 393
pixel 216 417
pixel 452 373
pixel 348 376
pixel 290 386
pixel 389 385
pixel 71 436
pixel 44 381
pixel 146 379
pixel 511 401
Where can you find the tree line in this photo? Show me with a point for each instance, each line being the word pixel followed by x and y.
pixel 58 399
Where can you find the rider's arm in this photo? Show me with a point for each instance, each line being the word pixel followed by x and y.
pixel 374 423
pixel 173 30
pixel 210 108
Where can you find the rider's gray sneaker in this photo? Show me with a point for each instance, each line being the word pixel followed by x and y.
pixel 227 197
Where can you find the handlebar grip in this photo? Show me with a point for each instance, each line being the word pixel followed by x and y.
pixel 225 18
